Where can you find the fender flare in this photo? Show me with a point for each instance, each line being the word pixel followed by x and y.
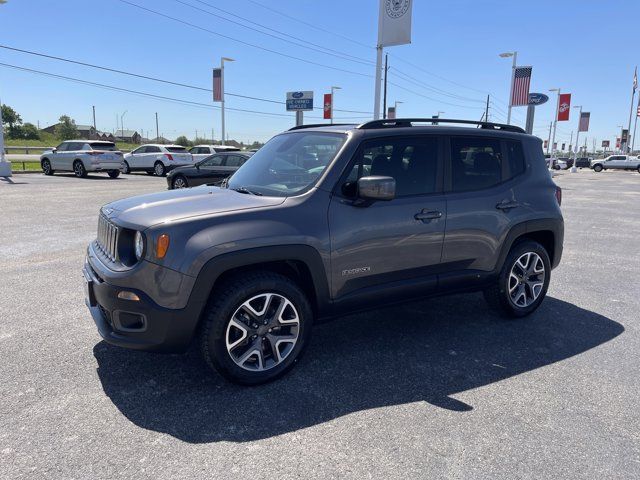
pixel 553 225
pixel 218 265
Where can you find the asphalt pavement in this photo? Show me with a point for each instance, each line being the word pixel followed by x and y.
pixel 440 388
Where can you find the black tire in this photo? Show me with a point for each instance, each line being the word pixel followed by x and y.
pixel 126 169
pixel 638 169
pixel 79 170
pixel 226 302
pixel 46 167
pixel 497 295
pixel 597 168
pixel 159 169
pixel 179 182
pixel 114 173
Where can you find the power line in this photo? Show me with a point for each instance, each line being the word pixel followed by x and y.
pixel 299 59
pixel 155 79
pixel 312 25
pixel 433 99
pixel 438 91
pixel 150 95
pixel 335 53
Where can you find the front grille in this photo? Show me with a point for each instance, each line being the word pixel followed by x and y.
pixel 107 240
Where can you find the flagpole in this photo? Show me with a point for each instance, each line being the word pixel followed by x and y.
pixel 513 73
pixel 633 95
pixel 635 125
pixel 376 104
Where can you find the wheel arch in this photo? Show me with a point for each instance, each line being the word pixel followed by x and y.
pixel 301 263
pixel 547 232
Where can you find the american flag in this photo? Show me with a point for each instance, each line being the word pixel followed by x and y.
pixel 638 111
pixel 521 82
pixel 635 79
pixel 217 84
pixel 583 125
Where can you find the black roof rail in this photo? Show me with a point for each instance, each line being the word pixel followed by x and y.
pixel 316 125
pixel 407 122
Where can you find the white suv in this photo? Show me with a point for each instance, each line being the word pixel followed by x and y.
pixel 156 158
pixel 81 157
pixel 200 152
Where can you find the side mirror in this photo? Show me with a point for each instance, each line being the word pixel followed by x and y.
pixel 54 150
pixel 377 188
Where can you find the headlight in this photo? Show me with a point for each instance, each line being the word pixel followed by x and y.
pixel 139 245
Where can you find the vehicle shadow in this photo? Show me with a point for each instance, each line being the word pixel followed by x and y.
pixel 90 177
pixel 424 351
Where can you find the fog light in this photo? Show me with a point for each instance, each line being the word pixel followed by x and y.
pixel 124 295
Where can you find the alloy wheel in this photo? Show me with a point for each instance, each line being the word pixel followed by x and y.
pixel 262 332
pixel 78 169
pixel 526 279
pixel 46 167
pixel 179 182
pixel 159 169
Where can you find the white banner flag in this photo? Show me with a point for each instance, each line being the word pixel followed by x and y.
pixel 394 22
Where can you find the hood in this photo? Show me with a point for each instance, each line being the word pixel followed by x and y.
pixel 144 211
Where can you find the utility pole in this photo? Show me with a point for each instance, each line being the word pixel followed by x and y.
pixel 386 74
pixel 94 117
pixel 222 60
pixel 486 111
pixel 157 130
pixel 549 140
pixel 555 115
pixel 571 142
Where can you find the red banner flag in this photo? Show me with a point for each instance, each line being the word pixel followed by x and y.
pixel 328 106
pixel 564 106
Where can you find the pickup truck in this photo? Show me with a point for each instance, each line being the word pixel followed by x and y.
pixel 616 162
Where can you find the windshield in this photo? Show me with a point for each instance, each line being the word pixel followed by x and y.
pixel 288 164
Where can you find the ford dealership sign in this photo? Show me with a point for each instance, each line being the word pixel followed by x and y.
pixel 537 98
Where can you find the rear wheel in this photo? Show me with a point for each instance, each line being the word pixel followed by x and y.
pixel 114 173
pixel 256 328
pixel 180 182
pixel 79 170
pixel 159 169
pixel 638 168
pixel 597 168
pixel 126 168
pixel 46 167
pixel 523 280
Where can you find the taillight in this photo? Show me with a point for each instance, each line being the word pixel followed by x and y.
pixel 169 156
pixel 559 195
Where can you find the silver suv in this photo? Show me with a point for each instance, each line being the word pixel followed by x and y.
pixel 81 157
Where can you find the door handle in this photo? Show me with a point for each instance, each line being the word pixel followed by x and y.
pixel 507 205
pixel 428 215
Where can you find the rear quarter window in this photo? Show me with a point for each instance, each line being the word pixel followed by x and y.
pixel 515 157
pixel 176 149
pixel 103 146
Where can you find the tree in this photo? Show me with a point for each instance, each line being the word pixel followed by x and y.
pixel 30 131
pixel 184 141
pixel 66 129
pixel 13 121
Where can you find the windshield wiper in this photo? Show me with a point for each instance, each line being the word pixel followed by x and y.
pixel 246 190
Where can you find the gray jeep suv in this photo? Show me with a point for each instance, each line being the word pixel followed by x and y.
pixel 321 221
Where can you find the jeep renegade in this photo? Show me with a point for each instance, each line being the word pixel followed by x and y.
pixel 322 221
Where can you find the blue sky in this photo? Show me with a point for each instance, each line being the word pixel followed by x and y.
pixel 584 47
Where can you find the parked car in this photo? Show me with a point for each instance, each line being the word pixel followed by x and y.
pixel 583 162
pixel 616 162
pixel 200 152
pixel 322 221
pixel 156 159
pixel 212 170
pixel 82 157
pixel 560 164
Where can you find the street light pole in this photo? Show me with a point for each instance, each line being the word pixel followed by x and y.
pixel 333 99
pixel 513 71
pixel 222 60
pixel 122 124
pixel 555 117
pixel 577 147
pixel 395 107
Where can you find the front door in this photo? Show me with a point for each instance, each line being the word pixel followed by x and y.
pixel 387 243
pixel 208 171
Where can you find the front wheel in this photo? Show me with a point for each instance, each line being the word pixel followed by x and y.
pixel 256 328
pixel 114 173
pixel 79 170
pixel 597 168
pixel 46 167
pixel 159 169
pixel 180 182
pixel 523 281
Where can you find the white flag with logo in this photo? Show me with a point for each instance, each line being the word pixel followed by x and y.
pixel 394 24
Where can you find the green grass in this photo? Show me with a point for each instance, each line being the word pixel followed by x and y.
pixel 17 166
pixel 49 140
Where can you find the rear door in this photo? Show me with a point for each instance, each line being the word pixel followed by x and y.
pixel 74 152
pixel 389 243
pixel 151 154
pixel 481 175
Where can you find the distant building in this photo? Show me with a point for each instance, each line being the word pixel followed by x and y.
pixel 129 136
pixel 105 136
pixel 84 131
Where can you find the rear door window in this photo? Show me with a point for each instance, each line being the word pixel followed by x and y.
pixel 233 161
pixel 212 161
pixel 476 163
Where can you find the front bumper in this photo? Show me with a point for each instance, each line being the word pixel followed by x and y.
pixel 142 324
